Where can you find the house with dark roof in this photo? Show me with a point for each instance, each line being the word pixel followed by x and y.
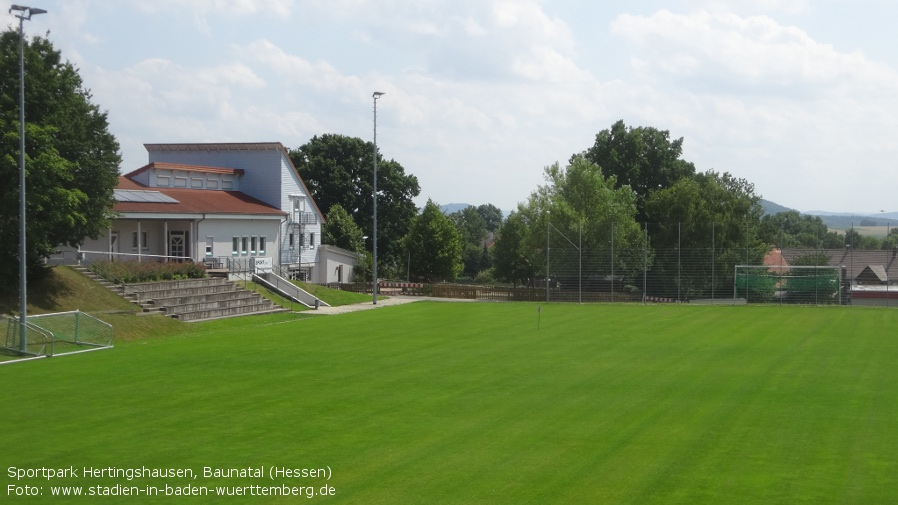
pixel 230 205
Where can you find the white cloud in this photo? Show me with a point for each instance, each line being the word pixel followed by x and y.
pixel 763 99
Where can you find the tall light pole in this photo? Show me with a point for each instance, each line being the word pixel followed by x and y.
pixel 23 13
pixel 376 95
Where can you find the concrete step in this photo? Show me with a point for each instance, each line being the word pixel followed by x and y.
pixel 198 298
pixel 146 287
pixel 162 292
pixel 190 299
pixel 200 315
pixel 172 310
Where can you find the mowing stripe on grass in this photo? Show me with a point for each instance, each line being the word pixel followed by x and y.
pixel 470 403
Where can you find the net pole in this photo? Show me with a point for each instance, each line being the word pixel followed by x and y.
pixel 612 262
pixel 77 320
pixel 713 245
pixel 735 283
pixel 645 260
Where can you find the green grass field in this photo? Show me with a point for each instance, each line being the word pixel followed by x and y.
pixel 471 403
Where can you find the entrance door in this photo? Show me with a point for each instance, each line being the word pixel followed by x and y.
pixel 177 244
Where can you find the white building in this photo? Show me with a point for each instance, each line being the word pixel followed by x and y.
pixel 228 205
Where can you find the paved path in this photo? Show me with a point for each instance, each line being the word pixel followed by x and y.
pixel 389 302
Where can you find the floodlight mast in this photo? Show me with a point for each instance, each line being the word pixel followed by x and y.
pixel 23 13
pixel 376 95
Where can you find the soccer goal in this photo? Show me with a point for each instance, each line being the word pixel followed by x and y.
pixel 57 334
pixel 814 285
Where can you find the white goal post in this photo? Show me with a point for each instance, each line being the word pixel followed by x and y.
pixel 817 285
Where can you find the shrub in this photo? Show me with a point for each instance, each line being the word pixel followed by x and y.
pixel 147 271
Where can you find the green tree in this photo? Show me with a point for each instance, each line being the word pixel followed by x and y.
pixel 492 216
pixel 339 170
pixel 891 240
pixel 793 229
pixel 643 158
pixel 855 240
pixel 434 246
pixel 577 198
pixel 511 259
pixel 470 224
pixel 71 158
pixel 711 221
pixel 342 231
pixel 472 229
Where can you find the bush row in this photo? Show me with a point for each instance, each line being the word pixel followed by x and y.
pixel 147 271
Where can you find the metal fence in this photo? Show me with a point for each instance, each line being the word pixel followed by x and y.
pixel 689 263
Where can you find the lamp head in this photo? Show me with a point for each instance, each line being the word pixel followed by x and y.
pixel 23 9
pixel 378 94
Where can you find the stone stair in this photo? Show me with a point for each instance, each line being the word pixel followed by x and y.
pixel 192 299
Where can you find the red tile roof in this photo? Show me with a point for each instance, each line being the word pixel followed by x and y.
pixel 195 201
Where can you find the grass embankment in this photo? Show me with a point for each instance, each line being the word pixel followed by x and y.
pixel 333 297
pixel 471 403
pixel 65 290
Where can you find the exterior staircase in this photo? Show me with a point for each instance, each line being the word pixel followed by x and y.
pixel 190 300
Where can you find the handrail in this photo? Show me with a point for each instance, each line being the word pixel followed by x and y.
pixel 288 289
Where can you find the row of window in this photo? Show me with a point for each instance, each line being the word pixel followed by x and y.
pixel 242 246
pixel 300 239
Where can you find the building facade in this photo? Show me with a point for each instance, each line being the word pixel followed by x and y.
pixel 225 204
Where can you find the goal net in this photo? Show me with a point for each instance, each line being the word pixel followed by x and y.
pixel 816 285
pixel 57 334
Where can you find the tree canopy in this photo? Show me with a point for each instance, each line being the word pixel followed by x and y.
pixel 473 230
pixel 793 229
pixel 341 230
pixel 434 246
pixel 643 158
pixel 511 258
pixel 339 170
pixel 576 201
pixel 708 213
pixel 492 216
pixel 71 158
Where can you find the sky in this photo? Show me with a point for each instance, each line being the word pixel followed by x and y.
pixel 798 97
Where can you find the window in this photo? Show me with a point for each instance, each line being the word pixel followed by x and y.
pixel 261 245
pixel 143 241
pixel 299 206
pixel 302 239
pixel 235 246
pixel 209 242
pixel 292 241
pixel 312 239
pixel 244 242
pixel 252 244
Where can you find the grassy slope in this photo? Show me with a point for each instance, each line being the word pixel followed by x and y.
pixel 469 403
pixel 65 290
pixel 333 297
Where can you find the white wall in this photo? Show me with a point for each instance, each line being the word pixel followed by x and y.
pixel 330 259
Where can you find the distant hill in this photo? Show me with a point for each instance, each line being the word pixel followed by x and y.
pixel 846 221
pixel 839 220
pixel 773 208
pixel 833 220
pixel 449 208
